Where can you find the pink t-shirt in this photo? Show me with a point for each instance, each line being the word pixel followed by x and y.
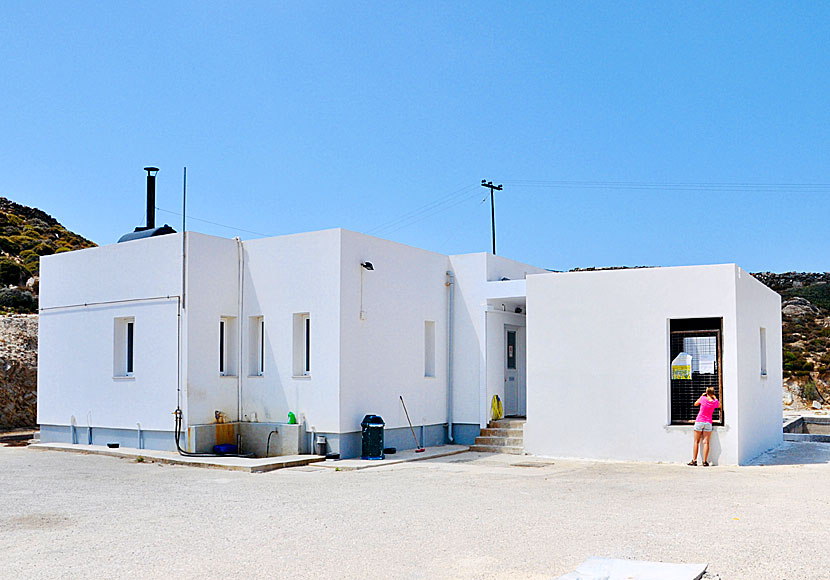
pixel 707 407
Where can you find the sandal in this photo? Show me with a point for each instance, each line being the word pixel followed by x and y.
pixel 693 463
pixel 705 464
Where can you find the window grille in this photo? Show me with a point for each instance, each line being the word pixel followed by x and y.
pixel 700 338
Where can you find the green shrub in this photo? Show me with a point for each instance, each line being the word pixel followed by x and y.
pixel 809 391
pixel 18 300
pixel 43 249
pixel 794 361
pixel 25 242
pixel 8 246
pixel 13 273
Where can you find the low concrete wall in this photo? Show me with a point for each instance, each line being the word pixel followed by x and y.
pixel 288 439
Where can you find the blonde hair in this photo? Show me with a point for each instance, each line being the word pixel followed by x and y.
pixel 710 392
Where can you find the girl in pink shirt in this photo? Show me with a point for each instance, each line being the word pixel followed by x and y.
pixel 707 402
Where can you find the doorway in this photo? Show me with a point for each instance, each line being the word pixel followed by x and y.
pixel 515 396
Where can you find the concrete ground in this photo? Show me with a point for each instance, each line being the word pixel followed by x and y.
pixel 471 515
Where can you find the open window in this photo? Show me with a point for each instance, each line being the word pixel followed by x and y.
pixel 256 350
pixel 302 344
pixel 123 359
pixel 227 346
pixel 695 361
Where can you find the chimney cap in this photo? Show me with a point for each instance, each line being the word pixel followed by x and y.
pixel 152 170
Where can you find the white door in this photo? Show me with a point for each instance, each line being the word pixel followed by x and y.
pixel 512 406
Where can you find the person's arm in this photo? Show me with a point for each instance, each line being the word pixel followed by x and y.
pixel 697 403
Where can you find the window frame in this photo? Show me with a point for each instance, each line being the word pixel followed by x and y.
pixel 123 347
pixel 256 346
pixel 676 386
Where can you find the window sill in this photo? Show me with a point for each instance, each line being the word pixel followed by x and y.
pixel 221 376
pixel 301 377
pixel 433 377
pixel 255 376
pixel 124 378
pixel 691 426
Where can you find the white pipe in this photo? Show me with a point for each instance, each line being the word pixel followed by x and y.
pixel 89 427
pixel 73 430
pixel 450 314
pixel 140 446
pixel 240 262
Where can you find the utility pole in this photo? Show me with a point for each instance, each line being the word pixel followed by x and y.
pixel 489 185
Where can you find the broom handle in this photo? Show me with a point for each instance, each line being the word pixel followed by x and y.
pixel 410 422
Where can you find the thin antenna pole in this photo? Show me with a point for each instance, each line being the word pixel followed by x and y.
pixel 184 199
pixel 489 185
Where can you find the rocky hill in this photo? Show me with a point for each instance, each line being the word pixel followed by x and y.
pixel 26 234
pixel 805 321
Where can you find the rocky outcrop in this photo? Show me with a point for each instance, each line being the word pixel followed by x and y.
pixel 799 308
pixel 18 370
pixel 788 280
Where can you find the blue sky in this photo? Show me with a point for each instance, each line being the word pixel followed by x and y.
pixel 661 133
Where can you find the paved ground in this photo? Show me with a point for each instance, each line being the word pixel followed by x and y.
pixel 465 516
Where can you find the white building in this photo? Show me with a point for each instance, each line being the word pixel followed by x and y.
pixel 334 325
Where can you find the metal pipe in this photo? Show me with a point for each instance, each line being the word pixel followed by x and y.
pixel 151 196
pixel 73 430
pixel 240 262
pixel 450 315
pixel 140 444
pixel 89 427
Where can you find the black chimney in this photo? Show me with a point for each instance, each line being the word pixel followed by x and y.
pixel 151 196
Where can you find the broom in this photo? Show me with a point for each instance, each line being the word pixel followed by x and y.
pixel 418 448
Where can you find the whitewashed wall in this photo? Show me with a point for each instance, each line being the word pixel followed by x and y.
pixel 75 365
pixel 286 275
pixel 598 368
pixel 760 401
pixel 479 336
pixel 211 293
pixel 382 356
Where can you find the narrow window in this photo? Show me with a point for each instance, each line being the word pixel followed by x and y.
pixel 763 352
pixel 511 349
pixel 257 346
pixel 123 347
pixel 222 347
pixel 130 330
pixel 301 333
pixel 307 367
pixel 228 346
pixel 429 348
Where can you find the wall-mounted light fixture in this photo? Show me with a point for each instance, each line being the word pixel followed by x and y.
pixel 368 267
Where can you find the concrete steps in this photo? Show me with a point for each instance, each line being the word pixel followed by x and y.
pixel 502 436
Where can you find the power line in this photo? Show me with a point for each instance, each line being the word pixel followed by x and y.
pixel 449 198
pixel 216 223
pixel 433 213
pixel 736 187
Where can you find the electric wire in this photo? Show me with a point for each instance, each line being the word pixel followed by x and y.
pixel 238 229
pixel 444 202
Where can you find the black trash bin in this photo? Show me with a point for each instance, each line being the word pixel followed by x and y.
pixel 372 437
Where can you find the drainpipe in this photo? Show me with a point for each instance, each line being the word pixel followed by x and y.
pixel 140 446
pixel 73 429
pixel 89 427
pixel 240 261
pixel 450 314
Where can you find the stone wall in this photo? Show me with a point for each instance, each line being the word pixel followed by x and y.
pixel 18 370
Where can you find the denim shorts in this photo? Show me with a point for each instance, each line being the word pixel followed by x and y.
pixel 703 426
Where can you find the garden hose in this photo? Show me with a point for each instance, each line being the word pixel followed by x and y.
pixel 496 408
